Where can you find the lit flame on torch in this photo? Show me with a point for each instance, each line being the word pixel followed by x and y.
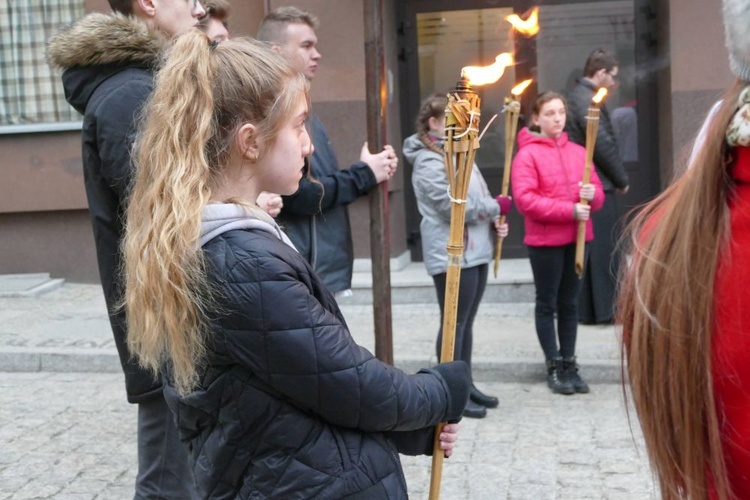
pixel 482 75
pixel 529 27
pixel 601 94
pixel 518 89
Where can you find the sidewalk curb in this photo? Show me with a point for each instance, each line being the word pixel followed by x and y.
pixel 484 370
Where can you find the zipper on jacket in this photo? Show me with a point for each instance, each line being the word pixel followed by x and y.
pixel 313 243
pixel 397 462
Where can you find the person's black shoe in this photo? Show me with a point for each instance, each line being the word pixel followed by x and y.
pixel 474 410
pixel 556 378
pixel 570 368
pixel 483 399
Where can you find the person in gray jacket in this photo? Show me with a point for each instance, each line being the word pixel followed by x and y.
pixel 424 150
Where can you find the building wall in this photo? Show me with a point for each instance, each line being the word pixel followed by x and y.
pixel 698 74
pixel 44 224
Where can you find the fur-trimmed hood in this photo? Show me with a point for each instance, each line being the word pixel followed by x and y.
pixel 106 39
pixel 99 46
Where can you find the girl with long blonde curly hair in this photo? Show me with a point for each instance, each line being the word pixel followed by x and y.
pixel 272 396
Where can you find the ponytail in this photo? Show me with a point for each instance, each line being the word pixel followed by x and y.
pixel 165 289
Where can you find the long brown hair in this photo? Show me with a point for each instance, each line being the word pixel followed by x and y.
pixel 202 96
pixel 666 307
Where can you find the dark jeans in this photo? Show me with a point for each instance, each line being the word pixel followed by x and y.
pixel 557 289
pixel 163 471
pixel 471 288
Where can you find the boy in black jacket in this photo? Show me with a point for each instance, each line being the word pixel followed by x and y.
pixel 316 217
pixel 108 63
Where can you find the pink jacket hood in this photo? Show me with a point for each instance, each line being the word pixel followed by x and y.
pixel 545 179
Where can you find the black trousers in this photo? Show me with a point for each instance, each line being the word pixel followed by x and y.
pixel 471 288
pixel 163 471
pixel 557 289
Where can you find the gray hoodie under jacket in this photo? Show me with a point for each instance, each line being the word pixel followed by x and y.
pixel 218 218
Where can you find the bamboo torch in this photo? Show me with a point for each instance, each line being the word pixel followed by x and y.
pixel 592 127
pixel 461 127
pixel 512 110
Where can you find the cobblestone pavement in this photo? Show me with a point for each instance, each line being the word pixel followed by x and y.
pixel 71 436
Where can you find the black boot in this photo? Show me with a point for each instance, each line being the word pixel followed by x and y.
pixel 483 399
pixel 570 368
pixel 556 379
pixel 474 410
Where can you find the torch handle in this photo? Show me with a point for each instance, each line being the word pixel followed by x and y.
pixel 454 249
pixel 580 247
pixel 580 243
pixel 459 171
pixel 592 127
pixel 499 248
pixel 512 109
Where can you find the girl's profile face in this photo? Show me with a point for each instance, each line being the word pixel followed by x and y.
pixel 551 118
pixel 280 168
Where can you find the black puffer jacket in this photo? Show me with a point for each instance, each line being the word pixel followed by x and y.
pixel 291 407
pixel 607 157
pixel 107 62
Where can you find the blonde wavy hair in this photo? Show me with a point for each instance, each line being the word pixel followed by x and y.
pixel 203 94
pixel 666 307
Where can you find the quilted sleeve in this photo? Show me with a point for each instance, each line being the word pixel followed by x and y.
pixel 277 328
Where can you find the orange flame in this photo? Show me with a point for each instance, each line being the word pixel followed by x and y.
pixel 482 75
pixel 600 94
pixel 529 27
pixel 518 89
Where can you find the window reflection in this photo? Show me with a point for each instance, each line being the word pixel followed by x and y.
pixel 449 40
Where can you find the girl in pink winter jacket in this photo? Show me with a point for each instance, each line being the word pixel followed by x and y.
pixel 546 181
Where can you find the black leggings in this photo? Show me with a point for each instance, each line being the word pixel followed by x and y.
pixel 557 289
pixel 471 288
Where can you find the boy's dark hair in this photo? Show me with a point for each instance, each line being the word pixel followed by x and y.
pixel 599 59
pixel 273 27
pixel 122 6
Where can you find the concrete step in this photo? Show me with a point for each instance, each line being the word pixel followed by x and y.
pixel 410 284
pixel 28 285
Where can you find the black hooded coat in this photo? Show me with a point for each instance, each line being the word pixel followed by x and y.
pixel 108 63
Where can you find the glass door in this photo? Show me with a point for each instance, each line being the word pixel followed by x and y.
pixel 438 40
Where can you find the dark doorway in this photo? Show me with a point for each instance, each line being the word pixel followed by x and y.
pixel 438 37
